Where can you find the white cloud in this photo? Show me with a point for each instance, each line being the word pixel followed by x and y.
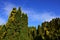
pixel 2 21
pixel 6 11
pixel 8 7
pixel 47 16
pixel 38 16
pixel 32 14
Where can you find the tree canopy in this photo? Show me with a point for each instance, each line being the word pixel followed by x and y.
pixel 17 28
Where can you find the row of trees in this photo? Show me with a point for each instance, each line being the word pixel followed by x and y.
pixel 47 31
pixel 17 28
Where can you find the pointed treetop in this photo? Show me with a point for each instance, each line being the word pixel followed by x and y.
pixel 14 8
pixel 19 8
pixel 38 26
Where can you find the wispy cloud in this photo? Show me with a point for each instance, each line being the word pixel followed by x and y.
pixel 36 16
pixel 2 21
pixel 8 7
pixel 6 11
pixel 33 16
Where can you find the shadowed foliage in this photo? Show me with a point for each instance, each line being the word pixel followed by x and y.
pixel 17 28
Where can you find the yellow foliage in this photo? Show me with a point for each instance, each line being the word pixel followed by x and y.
pixel 42 37
pixel 47 32
pixel 4 33
pixel 7 25
pixel 13 14
pixel 0 28
pixel 12 18
pixel 14 10
pixel 44 28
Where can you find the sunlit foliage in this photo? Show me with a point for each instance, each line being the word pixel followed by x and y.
pixel 17 28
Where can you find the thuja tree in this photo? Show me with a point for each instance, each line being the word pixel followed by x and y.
pixel 11 27
pixel 16 27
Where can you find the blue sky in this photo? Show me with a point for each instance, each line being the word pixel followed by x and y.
pixel 38 11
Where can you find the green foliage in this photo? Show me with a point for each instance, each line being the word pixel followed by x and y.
pixel 17 28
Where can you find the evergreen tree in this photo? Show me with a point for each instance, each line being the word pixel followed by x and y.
pixel 17 28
